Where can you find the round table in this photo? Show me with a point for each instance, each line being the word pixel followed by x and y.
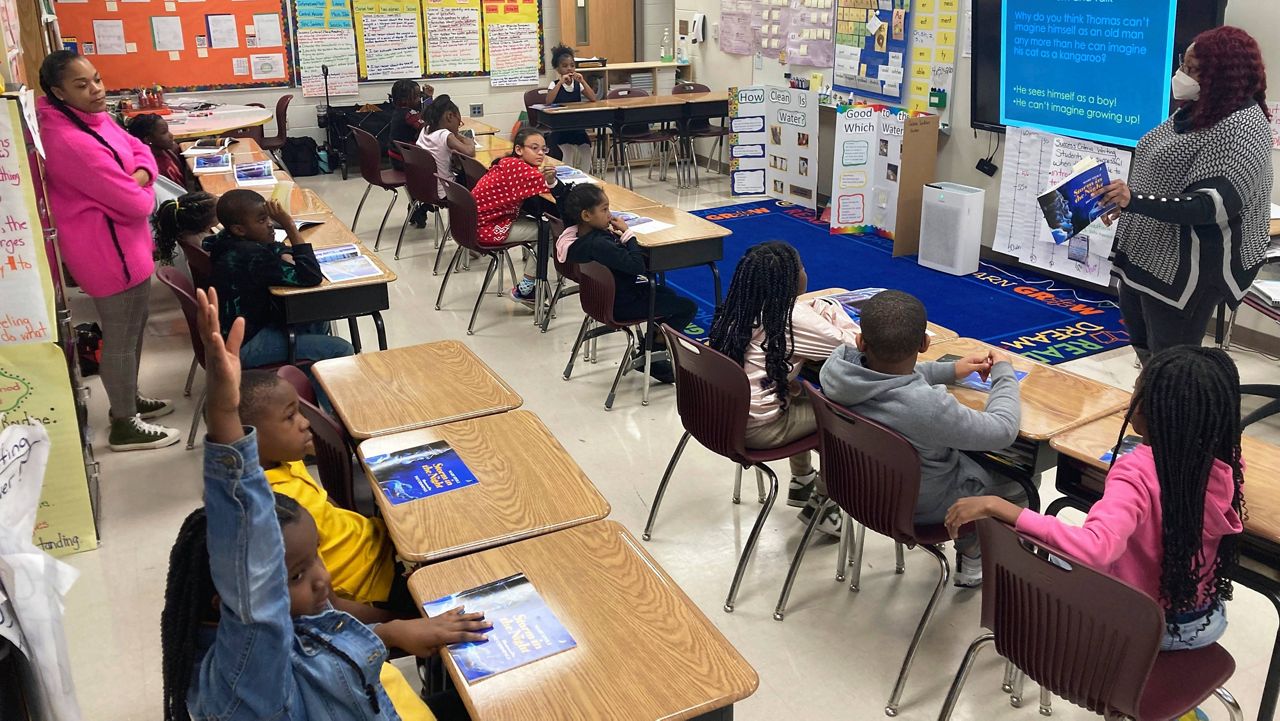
pixel 223 119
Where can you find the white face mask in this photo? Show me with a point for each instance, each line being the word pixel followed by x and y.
pixel 1185 87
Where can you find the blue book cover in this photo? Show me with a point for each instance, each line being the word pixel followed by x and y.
pixel 1127 444
pixel 212 164
pixel 420 472
pixel 524 629
pixel 1072 205
pixel 975 381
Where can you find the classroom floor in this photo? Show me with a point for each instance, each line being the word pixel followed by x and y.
pixel 836 655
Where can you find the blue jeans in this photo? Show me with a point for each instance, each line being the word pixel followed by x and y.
pixel 271 345
pixel 1195 630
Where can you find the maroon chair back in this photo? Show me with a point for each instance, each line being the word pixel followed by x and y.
pixel 686 87
pixel 282 120
pixel 370 157
pixel 871 471
pixel 537 96
pixel 565 269
pixel 473 170
pixel 462 216
pixel 627 93
pixel 185 291
pixel 199 263
pixel 254 132
pixel 713 395
pixel 419 174
pixel 300 382
pixel 1086 637
pixel 333 455
pixel 596 291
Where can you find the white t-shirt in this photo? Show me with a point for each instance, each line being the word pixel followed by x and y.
pixel 437 144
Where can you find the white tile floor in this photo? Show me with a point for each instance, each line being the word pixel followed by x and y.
pixel 836 655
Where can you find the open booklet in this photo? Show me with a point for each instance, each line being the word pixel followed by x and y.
pixel 639 223
pixel 419 472
pixel 524 628
pixel 1073 204
pixel 257 173
pixel 851 301
pixel 345 262
pixel 208 146
pixel 570 175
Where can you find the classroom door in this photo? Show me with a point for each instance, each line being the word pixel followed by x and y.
pixel 603 28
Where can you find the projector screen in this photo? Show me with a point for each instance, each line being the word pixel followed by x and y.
pixel 1096 69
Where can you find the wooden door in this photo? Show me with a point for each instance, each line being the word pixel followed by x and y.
pixel 603 28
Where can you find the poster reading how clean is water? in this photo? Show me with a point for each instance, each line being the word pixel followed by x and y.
pixel 1096 69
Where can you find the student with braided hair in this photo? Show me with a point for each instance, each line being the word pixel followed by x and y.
pixel 188 217
pixel 153 131
pixel 1169 518
pixel 766 327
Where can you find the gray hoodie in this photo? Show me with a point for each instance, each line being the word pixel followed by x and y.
pixel 939 426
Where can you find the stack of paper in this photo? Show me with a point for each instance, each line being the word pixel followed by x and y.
pixel 1268 291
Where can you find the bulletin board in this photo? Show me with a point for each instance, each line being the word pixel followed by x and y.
pixel 871 48
pixel 934 27
pixel 388 38
pixel 513 42
pixel 221 44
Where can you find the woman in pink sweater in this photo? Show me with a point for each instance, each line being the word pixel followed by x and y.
pixel 99 180
pixel 1168 520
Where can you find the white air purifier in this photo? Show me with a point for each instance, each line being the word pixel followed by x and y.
pixel 951 227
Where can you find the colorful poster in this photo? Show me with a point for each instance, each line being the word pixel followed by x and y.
pixel 26 288
pixel 35 388
pixel 392 46
pixel 747 161
pixel 886 169
pixel 933 57
pixel 851 184
pixel 513 42
pixel 453 37
pixel 871 47
pixel 792 148
pixel 335 49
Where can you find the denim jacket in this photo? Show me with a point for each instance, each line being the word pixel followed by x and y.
pixel 261 663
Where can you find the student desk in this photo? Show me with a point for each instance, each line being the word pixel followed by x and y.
pixel 222 119
pixel 479 127
pixel 937 333
pixel 412 387
pixel 644 651
pixel 528 485
pixel 1053 401
pixel 1081 478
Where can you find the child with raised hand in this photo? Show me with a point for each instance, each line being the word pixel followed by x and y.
pixel 248 628
pixel 248 262
pixel 1170 514
pixel 188 217
pixel 441 137
pixel 499 194
pixel 153 131
pixel 569 87
pixel 765 326
pixel 880 379
pixel 592 234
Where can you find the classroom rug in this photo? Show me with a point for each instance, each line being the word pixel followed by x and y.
pixel 1014 308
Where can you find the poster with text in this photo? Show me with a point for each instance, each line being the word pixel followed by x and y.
pixel 736 34
pixel 747 162
pixel 26 288
pixel 326 37
pixel 792 145
pixel 871 44
pixel 886 168
pixel 512 41
pixel 935 25
pixel 809 36
pixel 856 145
pixel 453 36
pixel 388 32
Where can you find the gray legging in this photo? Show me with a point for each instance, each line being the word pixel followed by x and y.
pixel 124 319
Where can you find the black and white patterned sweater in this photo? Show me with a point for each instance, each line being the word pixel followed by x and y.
pixel 1197 221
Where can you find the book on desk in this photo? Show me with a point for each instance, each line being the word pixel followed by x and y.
pixel 255 174
pixel 420 472
pixel 220 163
pixel 973 381
pixel 345 262
pixel 524 628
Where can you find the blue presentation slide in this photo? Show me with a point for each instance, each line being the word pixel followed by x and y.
pixel 1096 69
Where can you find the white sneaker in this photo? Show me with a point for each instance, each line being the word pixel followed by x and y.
pixel 830 521
pixel 135 434
pixel 968 571
pixel 800 489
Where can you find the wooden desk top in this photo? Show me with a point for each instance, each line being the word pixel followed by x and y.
pixel 1261 475
pixel 330 233
pixel 940 333
pixel 714 96
pixel 480 127
pixel 302 201
pixel 644 652
pixel 686 227
pixel 623 198
pixel 528 485
pixel 224 119
pixel 493 144
pixel 650 65
pixel 1053 400
pixel 580 107
pixel 417 386
pixel 648 101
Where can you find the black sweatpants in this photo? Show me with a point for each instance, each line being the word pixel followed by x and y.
pixel 1154 325
pixel 669 306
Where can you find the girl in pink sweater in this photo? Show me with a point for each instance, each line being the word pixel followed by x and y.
pixel 1168 520
pixel 98 179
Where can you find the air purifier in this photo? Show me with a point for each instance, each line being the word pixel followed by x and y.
pixel 951 227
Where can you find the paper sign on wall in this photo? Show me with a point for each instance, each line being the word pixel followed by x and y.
pixel 26 289
pixel 856 146
pixel 453 36
pixel 773 147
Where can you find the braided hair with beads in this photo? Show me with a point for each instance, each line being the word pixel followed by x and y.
pixel 189 603
pixel 762 294
pixel 188 213
pixel 1189 398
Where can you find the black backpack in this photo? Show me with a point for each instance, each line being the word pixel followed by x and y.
pixel 301 157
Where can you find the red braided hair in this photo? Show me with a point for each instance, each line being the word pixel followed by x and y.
pixel 1230 73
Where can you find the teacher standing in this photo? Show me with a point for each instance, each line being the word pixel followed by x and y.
pixel 98 179
pixel 1192 232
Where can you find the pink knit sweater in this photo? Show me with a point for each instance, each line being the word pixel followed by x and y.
pixel 91 196
pixel 1122 534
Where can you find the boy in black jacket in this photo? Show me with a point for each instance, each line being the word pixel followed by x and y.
pixel 248 262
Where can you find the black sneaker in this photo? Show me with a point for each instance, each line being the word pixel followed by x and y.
pixel 799 491
pixel 830 521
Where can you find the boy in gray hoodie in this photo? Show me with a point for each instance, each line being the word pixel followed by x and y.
pixel 881 380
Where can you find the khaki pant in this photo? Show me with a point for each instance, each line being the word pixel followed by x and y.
pixel 796 422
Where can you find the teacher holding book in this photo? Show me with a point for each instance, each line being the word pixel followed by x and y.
pixel 1192 232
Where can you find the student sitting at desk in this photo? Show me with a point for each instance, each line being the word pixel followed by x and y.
pixel 881 380
pixel 249 628
pixel 765 327
pixel 188 217
pixel 604 239
pixel 442 139
pixel 569 87
pixel 407 108
pixel 153 131
pixel 248 262
pixel 1169 516
pixel 499 194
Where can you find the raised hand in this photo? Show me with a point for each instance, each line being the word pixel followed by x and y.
pixel 221 369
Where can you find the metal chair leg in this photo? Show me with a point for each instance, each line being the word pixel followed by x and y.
pixel 568 370
pixel 195 419
pixel 395 195
pixel 737 483
pixel 891 709
pixel 662 486
pixel 447 273
pixel 360 207
pixel 1046 702
pixel 748 549
pixel 403 226
pixel 191 378
pixel 1019 682
pixel 760 485
pixel 900 564
pixel 781 609
pixel 962 674
pixel 622 368
pixel 1233 708
pixel 859 542
pixel 843 552
pixel 444 240
pixel 1006 685
pixel 488 276
pixel 1231 324
pixel 515 279
pixel 501 272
